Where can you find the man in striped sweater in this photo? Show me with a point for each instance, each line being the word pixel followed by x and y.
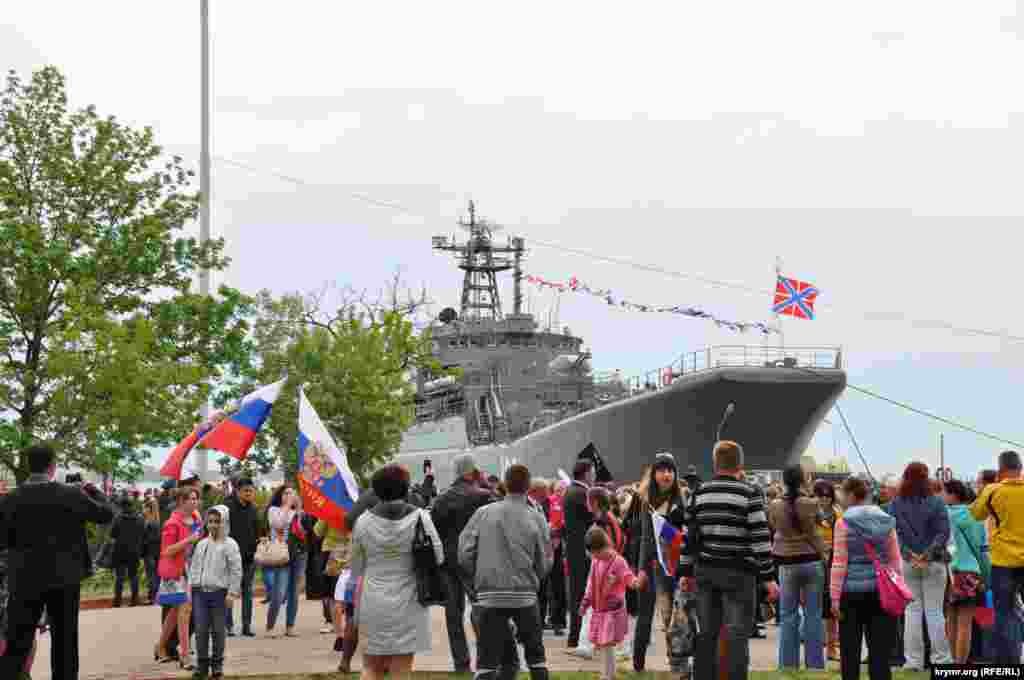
pixel 727 553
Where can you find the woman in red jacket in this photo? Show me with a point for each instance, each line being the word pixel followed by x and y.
pixel 179 535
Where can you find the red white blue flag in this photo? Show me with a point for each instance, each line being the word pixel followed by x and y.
pixel 794 298
pixel 673 540
pixel 174 465
pixel 328 487
pixel 235 434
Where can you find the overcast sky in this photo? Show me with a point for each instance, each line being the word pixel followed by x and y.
pixel 874 147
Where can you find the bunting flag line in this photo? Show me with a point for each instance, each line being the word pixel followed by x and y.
pixel 235 433
pixel 326 482
pixel 576 286
pixel 673 539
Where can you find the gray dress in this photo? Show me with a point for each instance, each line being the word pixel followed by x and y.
pixel 390 618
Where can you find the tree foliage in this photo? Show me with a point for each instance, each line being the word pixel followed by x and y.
pixel 355 364
pixel 104 347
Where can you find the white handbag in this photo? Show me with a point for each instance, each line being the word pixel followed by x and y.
pixel 272 553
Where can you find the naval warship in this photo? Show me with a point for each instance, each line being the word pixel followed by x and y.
pixel 528 394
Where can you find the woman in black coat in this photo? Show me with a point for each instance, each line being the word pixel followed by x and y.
pixel 151 547
pixel 127 533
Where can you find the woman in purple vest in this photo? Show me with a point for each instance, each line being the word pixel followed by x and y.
pixel 854 590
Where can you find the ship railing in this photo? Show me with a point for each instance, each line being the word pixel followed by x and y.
pixel 727 356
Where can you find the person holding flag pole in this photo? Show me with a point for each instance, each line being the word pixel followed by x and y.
pixel 329 492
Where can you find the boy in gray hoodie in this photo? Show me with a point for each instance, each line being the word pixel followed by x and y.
pixel 216 580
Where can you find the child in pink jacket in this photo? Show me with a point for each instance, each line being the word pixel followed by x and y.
pixel 610 576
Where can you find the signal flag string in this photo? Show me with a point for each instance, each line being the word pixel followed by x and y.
pixel 715 283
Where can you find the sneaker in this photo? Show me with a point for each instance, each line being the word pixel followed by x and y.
pixel 581 652
pixel 230 632
pixel 326 628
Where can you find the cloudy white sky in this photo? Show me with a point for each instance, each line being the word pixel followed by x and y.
pixel 874 147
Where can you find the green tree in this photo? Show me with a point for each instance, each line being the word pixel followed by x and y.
pixel 104 348
pixel 355 364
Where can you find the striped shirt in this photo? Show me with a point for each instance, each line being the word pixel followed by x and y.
pixel 729 516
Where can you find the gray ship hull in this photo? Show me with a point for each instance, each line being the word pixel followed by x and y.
pixel 777 412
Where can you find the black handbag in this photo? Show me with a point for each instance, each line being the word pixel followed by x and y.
pixel 430 588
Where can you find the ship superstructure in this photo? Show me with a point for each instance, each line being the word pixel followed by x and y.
pixel 529 394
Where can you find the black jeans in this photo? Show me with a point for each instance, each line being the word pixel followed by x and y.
pixel 724 597
pixel 209 606
pixel 121 570
pixel 24 609
pixel 248 574
pixel 454 619
pixel 579 572
pixel 861 616
pixel 496 646
pixel 557 591
pixel 152 580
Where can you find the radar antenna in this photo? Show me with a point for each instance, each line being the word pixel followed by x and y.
pixel 481 259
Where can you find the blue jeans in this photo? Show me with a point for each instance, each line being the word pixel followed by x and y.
pixel 1005 637
pixel 807 579
pixel 286 587
pixel 268 581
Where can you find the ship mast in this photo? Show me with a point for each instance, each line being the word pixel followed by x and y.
pixel 481 260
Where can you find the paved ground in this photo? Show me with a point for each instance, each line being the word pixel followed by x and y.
pixel 117 644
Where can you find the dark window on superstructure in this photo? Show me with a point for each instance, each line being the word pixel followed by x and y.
pixel 453 342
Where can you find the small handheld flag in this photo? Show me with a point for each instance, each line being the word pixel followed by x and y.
pixel 328 487
pixel 794 298
pixel 672 537
pixel 235 434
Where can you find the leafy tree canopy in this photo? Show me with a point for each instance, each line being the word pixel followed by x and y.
pixel 104 347
pixel 354 362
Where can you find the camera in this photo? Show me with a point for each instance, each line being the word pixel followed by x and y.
pixel 73 478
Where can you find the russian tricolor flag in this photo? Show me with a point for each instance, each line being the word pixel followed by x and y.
pixel 235 434
pixel 175 462
pixel 672 537
pixel 328 487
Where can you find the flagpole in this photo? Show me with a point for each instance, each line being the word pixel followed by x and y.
pixel 778 317
pixel 204 185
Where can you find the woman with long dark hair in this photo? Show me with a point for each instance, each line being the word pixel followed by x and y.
pixel 800 554
pixel 284 515
pixel 828 513
pixel 659 492
pixel 922 525
pixel 969 567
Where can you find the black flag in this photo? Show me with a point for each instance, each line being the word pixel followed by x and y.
pixel 601 473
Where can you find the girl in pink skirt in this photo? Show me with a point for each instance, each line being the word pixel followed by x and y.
pixel 610 576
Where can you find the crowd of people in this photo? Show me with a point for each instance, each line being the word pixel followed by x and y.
pixel 594 562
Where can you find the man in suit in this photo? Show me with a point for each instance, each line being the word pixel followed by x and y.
pixel 578 519
pixel 42 526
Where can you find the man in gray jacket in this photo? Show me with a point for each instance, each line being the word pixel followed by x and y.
pixel 506 548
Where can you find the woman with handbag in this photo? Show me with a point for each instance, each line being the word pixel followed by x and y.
pixel 178 537
pixel 284 553
pixel 391 618
pixel 799 552
pixel 862 532
pixel 970 570
pixel 922 524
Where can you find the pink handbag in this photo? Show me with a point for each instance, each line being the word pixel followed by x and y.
pixel 892 590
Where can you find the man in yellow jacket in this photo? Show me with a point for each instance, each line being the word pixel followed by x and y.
pixel 1003 502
